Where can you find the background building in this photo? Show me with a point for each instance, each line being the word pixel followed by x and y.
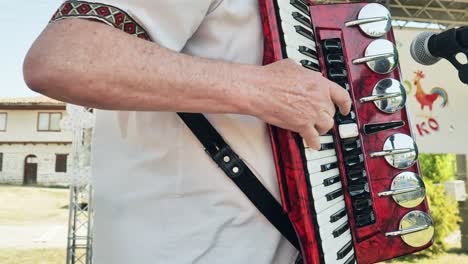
pixel 33 148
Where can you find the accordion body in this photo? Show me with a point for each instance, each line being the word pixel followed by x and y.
pixel 360 198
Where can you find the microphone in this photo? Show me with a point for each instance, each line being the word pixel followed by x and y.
pixel 429 47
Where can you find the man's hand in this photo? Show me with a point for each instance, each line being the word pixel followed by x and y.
pixel 300 100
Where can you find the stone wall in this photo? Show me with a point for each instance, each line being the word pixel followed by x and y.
pixel 13 162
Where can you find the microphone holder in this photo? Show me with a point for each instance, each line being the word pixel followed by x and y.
pixel 448 45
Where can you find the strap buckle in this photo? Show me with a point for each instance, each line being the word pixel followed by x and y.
pixel 228 161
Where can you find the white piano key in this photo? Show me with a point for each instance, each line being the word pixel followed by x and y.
pixel 292 38
pixel 323 140
pixel 286 15
pixel 312 154
pixel 322 190
pixel 322 204
pixel 288 8
pixel 327 230
pixel 348 131
pixel 331 246
pixel 323 218
pixel 315 166
pixel 318 177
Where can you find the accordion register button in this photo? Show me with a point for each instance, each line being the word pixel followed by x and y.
pixel 332 45
pixel 356 173
pixel 364 219
pixel 351 145
pixel 337 73
pixel 358 189
pixel 350 118
pixel 362 203
pixel 353 159
pixel 335 59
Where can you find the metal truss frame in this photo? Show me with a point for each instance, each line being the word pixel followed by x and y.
pixel 79 246
pixel 446 13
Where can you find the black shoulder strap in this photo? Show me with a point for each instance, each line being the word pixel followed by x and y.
pixel 240 174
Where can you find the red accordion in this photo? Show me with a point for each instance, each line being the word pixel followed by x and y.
pixel 360 199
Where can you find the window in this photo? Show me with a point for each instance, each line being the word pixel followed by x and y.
pixel 1 161
pixel 61 162
pixel 48 121
pixel 3 121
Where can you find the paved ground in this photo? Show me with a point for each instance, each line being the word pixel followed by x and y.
pixel 41 236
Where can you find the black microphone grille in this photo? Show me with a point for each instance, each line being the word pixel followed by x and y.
pixel 420 50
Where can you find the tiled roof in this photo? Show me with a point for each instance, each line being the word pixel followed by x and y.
pixel 30 102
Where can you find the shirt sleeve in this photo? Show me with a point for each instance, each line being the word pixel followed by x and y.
pixel 170 23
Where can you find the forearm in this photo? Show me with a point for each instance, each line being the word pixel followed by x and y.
pixel 92 64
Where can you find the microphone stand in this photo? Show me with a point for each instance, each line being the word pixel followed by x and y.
pixel 450 43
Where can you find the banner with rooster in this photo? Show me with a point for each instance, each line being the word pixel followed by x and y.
pixel 436 101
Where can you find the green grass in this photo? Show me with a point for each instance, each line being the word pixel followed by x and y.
pixel 32 205
pixel 32 256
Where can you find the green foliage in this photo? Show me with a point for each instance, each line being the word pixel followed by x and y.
pixel 437 168
pixel 444 212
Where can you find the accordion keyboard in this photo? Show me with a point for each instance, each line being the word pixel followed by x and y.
pixel 337 197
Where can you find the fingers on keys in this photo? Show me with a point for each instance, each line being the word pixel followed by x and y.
pixel 341 98
pixel 324 123
pixel 311 136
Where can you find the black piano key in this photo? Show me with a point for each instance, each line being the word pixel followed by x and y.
pixel 301 5
pixel 362 203
pixel 350 260
pixel 358 189
pixel 344 250
pixel 374 128
pixel 356 173
pixel 337 73
pixel 332 46
pixel 341 229
pixel 335 59
pixel 328 166
pixel 304 32
pixel 364 219
pixel 350 118
pixel 310 65
pixel 308 51
pixel 331 180
pixel 353 159
pixel 335 194
pixel 338 215
pixel 327 146
pixel 302 19
pixel 349 146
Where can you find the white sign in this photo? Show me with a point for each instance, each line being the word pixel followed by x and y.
pixel 437 101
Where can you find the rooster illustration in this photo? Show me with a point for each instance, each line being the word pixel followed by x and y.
pixel 425 99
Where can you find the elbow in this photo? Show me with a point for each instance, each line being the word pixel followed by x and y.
pixel 36 72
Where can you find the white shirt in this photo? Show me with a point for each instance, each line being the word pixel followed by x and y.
pixel 158 197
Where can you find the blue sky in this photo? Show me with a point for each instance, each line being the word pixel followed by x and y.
pixel 22 21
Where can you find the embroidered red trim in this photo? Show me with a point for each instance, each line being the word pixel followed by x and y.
pixel 108 14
